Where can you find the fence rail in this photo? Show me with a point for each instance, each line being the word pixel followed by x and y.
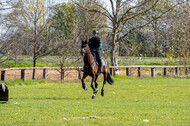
pixel 112 70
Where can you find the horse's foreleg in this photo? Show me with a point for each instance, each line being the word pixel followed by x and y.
pixel 92 86
pixel 104 84
pixel 82 80
pixel 94 89
pixel 96 84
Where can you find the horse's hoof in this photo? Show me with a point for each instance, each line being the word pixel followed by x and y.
pixel 96 90
pixel 102 93
pixel 93 96
pixel 85 88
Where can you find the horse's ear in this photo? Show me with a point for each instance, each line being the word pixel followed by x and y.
pixel 86 42
pixel 82 42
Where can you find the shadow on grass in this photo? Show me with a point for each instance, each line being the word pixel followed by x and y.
pixel 3 102
pixel 52 98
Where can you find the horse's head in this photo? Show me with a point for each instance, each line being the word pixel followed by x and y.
pixel 84 48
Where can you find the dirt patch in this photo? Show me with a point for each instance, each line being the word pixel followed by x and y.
pixel 73 75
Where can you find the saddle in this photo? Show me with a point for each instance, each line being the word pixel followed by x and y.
pixel 103 61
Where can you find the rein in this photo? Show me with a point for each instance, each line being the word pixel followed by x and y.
pixel 92 57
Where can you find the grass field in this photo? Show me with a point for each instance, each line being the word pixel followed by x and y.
pixel 52 63
pixel 130 101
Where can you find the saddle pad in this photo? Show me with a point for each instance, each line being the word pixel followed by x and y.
pixel 103 62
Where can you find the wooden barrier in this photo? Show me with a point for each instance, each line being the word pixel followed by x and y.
pixel 128 71
pixel 3 75
pixel 152 72
pixel 165 71
pixel 177 71
pixel 79 75
pixel 44 73
pixel 152 67
pixel 79 69
pixel 139 71
pixel 23 75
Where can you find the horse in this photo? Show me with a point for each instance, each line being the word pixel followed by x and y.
pixel 91 69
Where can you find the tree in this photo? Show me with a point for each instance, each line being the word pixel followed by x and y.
pixel 30 17
pixel 89 21
pixel 64 30
pixel 180 32
pixel 5 7
pixel 121 13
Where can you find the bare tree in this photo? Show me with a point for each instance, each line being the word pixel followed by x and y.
pixel 31 17
pixel 88 21
pixel 64 28
pixel 121 13
pixel 5 7
pixel 180 27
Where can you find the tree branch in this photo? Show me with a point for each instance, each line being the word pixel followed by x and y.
pixel 124 15
pixel 137 14
pixel 95 10
pixel 141 26
pixel 113 11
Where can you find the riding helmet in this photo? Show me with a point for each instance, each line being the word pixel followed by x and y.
pixel 95 32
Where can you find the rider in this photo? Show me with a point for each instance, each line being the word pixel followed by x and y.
pixel 95 47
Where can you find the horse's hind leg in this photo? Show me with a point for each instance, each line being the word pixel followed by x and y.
pixel 104 83
pixel 82 80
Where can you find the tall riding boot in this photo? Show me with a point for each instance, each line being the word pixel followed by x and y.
pixel 100 69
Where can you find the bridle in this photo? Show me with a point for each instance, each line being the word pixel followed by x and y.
pixel 87 52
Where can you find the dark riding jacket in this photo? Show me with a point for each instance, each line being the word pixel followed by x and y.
pixel 95 43
pixel 95 47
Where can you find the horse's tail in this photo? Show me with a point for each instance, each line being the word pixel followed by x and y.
pixel 109 79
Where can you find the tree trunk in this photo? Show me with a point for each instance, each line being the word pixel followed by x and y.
pixel 35 44
pixel 62 74
pixel 34 69
pixel 114 53
pixel 115 43
pixel 155 44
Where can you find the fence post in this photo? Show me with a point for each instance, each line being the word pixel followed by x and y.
pixel 128 71
pixel 23 76
pixel 34 73
pixel 79 70
pixel 62 74
pixel 177 71
pixel 153 72
pixel 139 71
pixel 186 70
pixel 3 75
pixel 44 73
pixel 112 71
pixel 165 71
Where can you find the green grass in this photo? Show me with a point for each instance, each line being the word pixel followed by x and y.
pixel 50 63
pixel 28 63
pixel 41 63
pixel 162 101
pixel 125 63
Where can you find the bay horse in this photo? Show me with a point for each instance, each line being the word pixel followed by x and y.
pixel 91 69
